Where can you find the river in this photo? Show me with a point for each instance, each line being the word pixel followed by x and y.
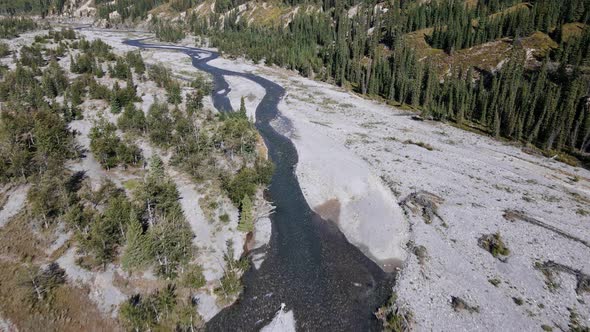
pixel 310 266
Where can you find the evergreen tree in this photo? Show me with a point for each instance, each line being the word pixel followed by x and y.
pixel 173 93
pixel 73 65
pixel 115 101
pixel 242 105
pixel 137 250
pixel 246 223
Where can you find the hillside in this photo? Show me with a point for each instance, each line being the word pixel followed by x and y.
pixel 101 205
pixel 418 55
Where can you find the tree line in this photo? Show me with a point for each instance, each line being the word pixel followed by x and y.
pixel 546 105
pixel 36 7
pixel 11 27
pixel 464 27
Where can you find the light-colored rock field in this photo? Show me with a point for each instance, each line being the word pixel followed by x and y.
pixel 284 321
pixel 243 87
pixel 476 180
pixel 351 148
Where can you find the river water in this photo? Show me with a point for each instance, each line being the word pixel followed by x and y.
pixel 310 266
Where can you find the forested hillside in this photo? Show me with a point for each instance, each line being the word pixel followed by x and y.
pixel 510 68
pixel 37 7
pixel 545 104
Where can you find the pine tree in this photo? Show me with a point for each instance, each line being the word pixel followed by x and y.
pixel 157 167
pixel 246 218
pixel 174 93
pixel 98 72
pixel 496 124
pixel 73 65
pixel 242 105
pixel 137 246
pixel 115 102
pixel 512 102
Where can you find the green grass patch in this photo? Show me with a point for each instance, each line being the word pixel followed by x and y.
pixel 131 185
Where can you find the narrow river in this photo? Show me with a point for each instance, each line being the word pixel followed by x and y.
pixel 310 266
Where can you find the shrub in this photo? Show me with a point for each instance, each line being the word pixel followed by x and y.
pixel 54 80
pixel 42 282
pixel 31 56
pixel 48 198
pixel 459 304
pixel 10 27
pixel 4 49
pixel 160 75
pixel 495 281
pixel 230 284
pixel 193 277
pixel 82 64
pixel 98 91
pixel 245 182
pixel 135 60
pixel 145 313
pixel 120 98
pixel 392 317
pixel 194 102
pixel 169 32
pixel 159 124
pixel 107 232
pixel 121 70
pixel 224 218
pixel 493 244
pixel 132 119
pixel 108 147
pixel 32 143
pixel 161 310
pixel 237 134
pixel 420 144
pixel 242 184
pixel 173 93
pixel 104 142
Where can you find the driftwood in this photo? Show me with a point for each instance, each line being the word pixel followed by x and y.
pixel 514 215
pixel 424 203
pixel 263 209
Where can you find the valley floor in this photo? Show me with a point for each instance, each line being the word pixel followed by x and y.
pixel 417 197
pixel 446 189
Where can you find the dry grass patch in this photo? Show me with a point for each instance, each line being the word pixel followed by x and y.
pixel 69 309
pixel 572 30
pixel 459 304
pixel 417 40
pixel 539 43
pixel 511 9
pixel 19 242
pixel 420 144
